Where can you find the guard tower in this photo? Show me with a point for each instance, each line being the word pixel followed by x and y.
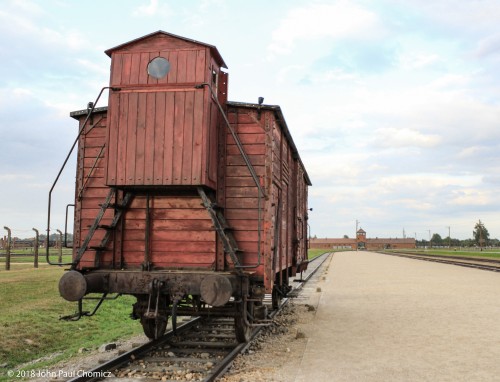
pixel 361 239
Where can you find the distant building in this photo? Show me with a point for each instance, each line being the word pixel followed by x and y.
pixel 362 242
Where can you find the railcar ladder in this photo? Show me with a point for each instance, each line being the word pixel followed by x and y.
pixel 221 226
pixel 119 209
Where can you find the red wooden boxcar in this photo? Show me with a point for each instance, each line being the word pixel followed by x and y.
pixel 191 203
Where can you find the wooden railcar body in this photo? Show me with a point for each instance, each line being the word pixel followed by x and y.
pixel 182 196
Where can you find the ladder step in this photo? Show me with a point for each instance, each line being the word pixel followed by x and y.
pixel 96 247
pixel 116 206
pixel 216 207
pixel 105 226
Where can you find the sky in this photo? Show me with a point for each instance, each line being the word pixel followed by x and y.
pixel 393 105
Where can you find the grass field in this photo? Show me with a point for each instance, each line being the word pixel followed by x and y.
pixel 314 252
pixel 30 307
pixel 26 255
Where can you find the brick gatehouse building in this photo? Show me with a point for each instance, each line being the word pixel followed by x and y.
pixel 362 242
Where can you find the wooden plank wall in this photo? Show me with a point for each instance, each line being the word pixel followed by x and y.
pixel 161 130
pixel 301 224
pixel 241 193
pixel 186 66
pixel 159 138
pixel 270 153
pixel 89 146
pixel 181 233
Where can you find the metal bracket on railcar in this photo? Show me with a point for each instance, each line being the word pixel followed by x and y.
pixel 81 313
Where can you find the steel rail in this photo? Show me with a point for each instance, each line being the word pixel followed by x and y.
pixel 132 354
pixel 473 263
pixel 220 368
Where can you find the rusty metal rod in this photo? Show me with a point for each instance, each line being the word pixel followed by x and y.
pixel 246 159
pixel 7 249
pixel 35 248
pixel 47 255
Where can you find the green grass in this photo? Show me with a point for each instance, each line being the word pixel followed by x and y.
pixel 25 255
pixel 314 252
pixel 30 307
pixel 490 254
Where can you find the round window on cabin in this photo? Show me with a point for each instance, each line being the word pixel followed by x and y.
pixel 158 67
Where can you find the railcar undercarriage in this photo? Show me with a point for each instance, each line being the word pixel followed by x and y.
pixel 164 295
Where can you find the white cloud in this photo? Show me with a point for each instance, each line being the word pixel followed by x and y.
pixel 418 60
pixel 341 20
pixel 472 197
pixel 489 46
pixel 404 137
pixel 153 9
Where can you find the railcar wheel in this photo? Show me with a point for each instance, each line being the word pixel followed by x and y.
pixel 242 329
pixel 154 327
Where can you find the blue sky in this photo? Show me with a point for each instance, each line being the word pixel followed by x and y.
pixel 394 106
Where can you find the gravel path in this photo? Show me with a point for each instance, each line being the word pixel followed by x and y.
pixel 383 318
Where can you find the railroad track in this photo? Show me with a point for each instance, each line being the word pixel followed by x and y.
pixel 201 350
pixel 470 262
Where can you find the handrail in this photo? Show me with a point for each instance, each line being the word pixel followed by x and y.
pixel 47 255
pixel 250 168
pixel 66 226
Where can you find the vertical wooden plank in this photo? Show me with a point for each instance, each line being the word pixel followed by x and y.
pixel 131 143
pixel 112 139
pixel 143 68
pixel 142 115
pixel 188 152
pixel 135 68
pixel 201 66
pixel 174 67
pixel 198 128
pixel 168 149
pixel 121 129
pixel 126 66
pixel 191 65
pixel 149 139
pixel 222 87
pixel 159 138
pixel 182 66
pixel 212 142
pixel 116 69
pixel 178 137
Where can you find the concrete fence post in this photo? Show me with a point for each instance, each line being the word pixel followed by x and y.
pixel 7 250
pixel 35 249
pixel 60 245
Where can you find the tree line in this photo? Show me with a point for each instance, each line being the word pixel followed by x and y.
pixel 480 238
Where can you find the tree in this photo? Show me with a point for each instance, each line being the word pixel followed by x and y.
pixel 346 237
pixel 436 239
pixel 480 234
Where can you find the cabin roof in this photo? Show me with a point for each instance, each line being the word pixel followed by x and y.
pixel 213 49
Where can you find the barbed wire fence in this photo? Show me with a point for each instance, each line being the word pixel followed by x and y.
pixel 15 250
